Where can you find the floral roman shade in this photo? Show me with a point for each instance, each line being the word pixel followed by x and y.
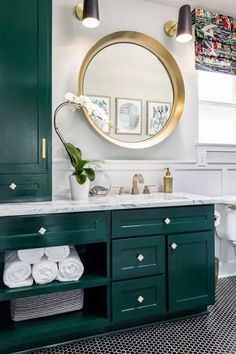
pixel 215 42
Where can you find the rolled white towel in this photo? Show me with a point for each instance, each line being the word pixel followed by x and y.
pixel 16 273
pixel 45 271
pixel 57 254
pixel 71 269
pixel 31 256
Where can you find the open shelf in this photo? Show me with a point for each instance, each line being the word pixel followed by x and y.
pixel 87 281
pixel 18 335
pixel 93 258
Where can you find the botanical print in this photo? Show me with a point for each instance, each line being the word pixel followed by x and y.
pixel 105 103
pixel 128 116
pixel 215 45
pixel 158 114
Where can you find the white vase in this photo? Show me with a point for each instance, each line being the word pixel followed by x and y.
pixel 79 191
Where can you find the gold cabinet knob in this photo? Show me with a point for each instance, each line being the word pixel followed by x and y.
pixel 13 186
pixel 140 257
pixel 167 221
pixel 140 299
pixel 173 246
pixel 42 231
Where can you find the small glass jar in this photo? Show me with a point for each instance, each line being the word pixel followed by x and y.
pixel 101 186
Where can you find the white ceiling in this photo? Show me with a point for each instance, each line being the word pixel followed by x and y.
pixel 227 7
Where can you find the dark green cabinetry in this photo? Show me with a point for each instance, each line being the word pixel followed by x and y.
pixel 191 269
pixel 141 266
pixel 25 108
pixel 142 256
pixel 137 298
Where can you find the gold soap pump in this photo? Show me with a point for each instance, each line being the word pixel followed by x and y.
pixel 168 182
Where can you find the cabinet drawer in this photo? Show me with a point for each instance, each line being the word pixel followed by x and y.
pixel 132 258
pixel 29 231
pixel 21 188
pixel 138 298
pixel 141 222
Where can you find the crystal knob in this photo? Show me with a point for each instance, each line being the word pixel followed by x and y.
pixel 13 186
pixel 140 257
pixel 42 231
pixel 140 299
pixel 173 246
pixel 167 221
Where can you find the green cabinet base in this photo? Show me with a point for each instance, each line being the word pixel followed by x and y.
pixel 139 270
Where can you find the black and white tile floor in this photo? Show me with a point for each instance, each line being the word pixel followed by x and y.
pixel 214 333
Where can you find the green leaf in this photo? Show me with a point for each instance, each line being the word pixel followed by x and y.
pixel 79 151
pixel 83 163
pixel 90 173
pixel 75 155
pixel 81 179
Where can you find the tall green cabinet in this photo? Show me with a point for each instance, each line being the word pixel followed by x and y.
pixel 25 104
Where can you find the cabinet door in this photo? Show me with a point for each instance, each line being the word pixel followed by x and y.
pixel 191 277
pixel 25 108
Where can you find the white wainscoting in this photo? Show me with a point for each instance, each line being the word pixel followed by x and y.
pixel 213 179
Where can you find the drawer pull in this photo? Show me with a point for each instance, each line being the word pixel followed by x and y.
pixel 42 231
pixel 140 257
pixel 140 299
pixel 173 246
pixel 167 221
pixel 13 186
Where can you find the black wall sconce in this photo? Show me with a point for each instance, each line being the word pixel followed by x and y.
pixel 88 13
pixel 183 28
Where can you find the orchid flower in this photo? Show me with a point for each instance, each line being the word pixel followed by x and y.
pixel 91 108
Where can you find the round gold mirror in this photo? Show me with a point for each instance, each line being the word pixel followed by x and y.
pixel 138 83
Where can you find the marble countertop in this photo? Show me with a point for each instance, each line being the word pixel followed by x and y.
pixel 111 202
pixel 226 199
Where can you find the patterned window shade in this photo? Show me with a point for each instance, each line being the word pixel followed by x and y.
pixel 215 42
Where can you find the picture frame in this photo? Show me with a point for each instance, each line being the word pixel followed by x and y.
pixel 105 103
pixel 128 116
pixel 158 114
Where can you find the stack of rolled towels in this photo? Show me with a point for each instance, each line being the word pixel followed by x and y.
pixel 42 265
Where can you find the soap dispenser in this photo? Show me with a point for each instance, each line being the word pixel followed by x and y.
pixel 168 182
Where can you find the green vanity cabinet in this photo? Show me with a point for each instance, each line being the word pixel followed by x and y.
pixel 191 270
pixel 137 298
pixel 48 230
pixel 138 257
pixel 141 266
pixel 25 108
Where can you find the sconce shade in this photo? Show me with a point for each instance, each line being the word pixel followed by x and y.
pixel 184 29
pixel 91 14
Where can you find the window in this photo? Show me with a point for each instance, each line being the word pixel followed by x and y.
pixel 217 108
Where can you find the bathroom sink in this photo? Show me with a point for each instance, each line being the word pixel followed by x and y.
pixel 139 198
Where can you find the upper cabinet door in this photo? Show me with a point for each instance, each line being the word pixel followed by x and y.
pixel 191 270
pixel 25 104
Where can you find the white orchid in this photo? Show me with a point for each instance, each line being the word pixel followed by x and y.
pixel 91 108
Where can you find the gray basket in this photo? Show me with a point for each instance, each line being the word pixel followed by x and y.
pixel 46 305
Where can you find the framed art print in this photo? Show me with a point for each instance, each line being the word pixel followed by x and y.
pixel 158 114
pixel 105 103
pixel 128 116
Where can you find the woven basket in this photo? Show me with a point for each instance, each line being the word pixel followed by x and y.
pixel 46 305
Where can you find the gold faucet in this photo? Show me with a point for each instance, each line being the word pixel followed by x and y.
pixel 136 179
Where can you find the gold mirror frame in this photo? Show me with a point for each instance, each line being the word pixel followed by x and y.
pixel 169 63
